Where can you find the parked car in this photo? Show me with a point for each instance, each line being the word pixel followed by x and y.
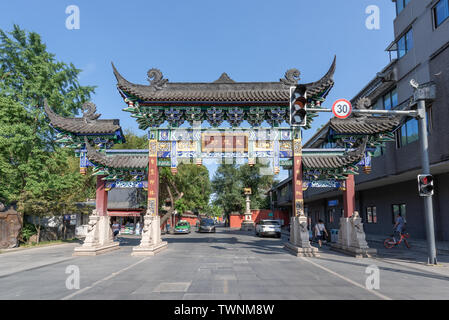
pixel 268 228
pixel 182 227
pixel 206 225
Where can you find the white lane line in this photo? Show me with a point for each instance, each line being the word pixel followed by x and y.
pixel 348 280
pixel 104 279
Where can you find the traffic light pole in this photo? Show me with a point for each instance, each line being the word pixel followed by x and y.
pixel 428 203
pixel 421 94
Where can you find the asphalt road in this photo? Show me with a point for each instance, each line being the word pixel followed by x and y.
pixel 227 265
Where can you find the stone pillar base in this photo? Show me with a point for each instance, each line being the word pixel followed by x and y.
pixel 351 238
pixel 299 243
pixel 151 242
pixel 247 226
pixel 99 238
pixel 301 252
pixel 94 251
pixel 149 250
pixel 354 252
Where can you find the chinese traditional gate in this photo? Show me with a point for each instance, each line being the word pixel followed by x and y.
pixel 162 102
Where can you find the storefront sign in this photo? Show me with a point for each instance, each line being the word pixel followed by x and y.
pixel 321 184
pixel 127 184
pixel 332 203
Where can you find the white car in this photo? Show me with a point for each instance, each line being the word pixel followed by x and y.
pixel 268 228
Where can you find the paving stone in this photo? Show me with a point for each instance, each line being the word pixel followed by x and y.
pixel 172 287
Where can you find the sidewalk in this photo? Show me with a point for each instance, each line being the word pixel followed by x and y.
pixel 37 247
pixel 442 246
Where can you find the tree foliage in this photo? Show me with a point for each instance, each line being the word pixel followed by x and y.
pixel 228 188
pixel 133 141
pixel 36 173
pixel 188 190
pixel 230 180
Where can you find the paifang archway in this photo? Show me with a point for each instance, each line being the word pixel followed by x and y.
pixel 222 100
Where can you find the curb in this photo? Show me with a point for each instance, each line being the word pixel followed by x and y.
pixel 35 247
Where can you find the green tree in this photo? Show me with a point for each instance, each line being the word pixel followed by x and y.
pixel 188 190
pixel 213 210
pixel 133 141
pixel 255 177
pixel 228 189
pixel 34 171
pixel 230 180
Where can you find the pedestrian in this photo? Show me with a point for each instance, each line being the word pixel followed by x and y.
pixel 115 229
pixel 320 232
pixel 398 227
pixel 137 228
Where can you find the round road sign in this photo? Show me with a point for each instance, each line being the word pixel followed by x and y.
pixel 342 108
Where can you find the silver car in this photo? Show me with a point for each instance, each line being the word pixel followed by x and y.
pixel 268 228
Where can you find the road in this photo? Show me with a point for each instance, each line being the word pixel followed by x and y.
pixel 230 264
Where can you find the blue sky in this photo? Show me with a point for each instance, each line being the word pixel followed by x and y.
pixel 197 40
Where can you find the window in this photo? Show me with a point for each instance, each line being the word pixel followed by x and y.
pixel 409 133
pixel 410 130
pixel 400 5
pixel 405 43
pixel 371 215
pixel 399 208
pixel 390 100
pixel 441 12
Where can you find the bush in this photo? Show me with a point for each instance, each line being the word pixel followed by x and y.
pixel 28 230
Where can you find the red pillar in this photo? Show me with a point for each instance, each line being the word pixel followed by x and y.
pixel 298 198
pixel 101 197
pixel 349 197
pixel 153 180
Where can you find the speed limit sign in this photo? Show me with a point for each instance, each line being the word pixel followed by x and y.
pixel 342 108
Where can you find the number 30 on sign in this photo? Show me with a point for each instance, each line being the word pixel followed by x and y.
pixel 342 108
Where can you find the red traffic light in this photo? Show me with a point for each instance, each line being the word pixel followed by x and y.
pixel 425 185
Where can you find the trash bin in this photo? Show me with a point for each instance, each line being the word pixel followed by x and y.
pixel 334 235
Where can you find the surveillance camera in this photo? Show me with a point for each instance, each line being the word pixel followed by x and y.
pixel 414 83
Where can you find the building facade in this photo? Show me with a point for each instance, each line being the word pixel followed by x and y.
pixel 419 51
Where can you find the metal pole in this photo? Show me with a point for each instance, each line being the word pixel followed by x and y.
pixel 428 204
pixel 411 113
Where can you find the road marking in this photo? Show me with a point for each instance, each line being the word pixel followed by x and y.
pixel 104 279
pixel 225 287
pixel 347 279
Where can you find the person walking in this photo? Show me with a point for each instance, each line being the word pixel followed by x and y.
pixel 115 229
pixel 320 232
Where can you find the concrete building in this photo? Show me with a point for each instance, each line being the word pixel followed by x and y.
pixel 420 51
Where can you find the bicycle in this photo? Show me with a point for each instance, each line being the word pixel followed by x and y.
pixel 390 242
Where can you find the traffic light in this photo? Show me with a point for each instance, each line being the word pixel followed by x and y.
pixel 425 185
pixel 298 106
